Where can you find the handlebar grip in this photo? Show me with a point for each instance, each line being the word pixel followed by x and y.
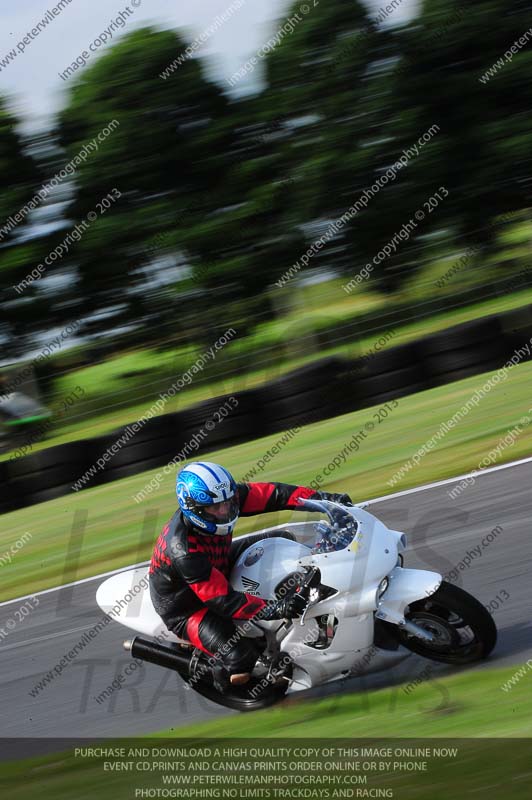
pixel 310 579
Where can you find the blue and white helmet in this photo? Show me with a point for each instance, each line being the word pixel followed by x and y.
pixel 206 493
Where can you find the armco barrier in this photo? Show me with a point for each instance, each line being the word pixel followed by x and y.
pixel 320 390
pixel 40 475
pixel 465 350
pixel 516 326
pixel 5 492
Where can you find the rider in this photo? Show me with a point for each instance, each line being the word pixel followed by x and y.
pixel 194 555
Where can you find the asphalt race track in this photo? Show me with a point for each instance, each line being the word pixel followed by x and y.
pixel 441 531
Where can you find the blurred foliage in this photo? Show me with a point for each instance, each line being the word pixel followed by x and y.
pixel 482 153
pixel 221 195
pixel 114 522
pixel 165 156
pixel 19 174
pixel 17 170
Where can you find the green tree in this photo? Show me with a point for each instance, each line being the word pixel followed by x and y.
pixel 482 151
pixel 165 156
pixel 325 79
pixel 293 156
pixel 20 251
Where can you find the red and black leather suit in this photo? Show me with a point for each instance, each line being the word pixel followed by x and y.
pixel 189 574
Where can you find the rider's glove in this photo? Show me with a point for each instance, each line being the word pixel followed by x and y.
pixel 287 607
pixel 344 499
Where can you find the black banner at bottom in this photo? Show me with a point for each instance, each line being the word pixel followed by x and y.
pixel 280 769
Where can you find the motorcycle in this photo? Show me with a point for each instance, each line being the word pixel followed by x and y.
pixel 365 611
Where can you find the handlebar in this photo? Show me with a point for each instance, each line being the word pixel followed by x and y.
pixel 322 505
pixel 341 528
pixel 333 510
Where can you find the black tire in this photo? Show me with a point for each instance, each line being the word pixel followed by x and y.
pixel 479 331
pixel 515 339
pixel 516 321
pixel 236 425
pixel 300 404
pixel 43 480
pixel 389 360
pixel 67 455
pixel 127 470
pixel 491 355
pixel 307 378
pixel 6 495
pixel 461 374
pixel 393 394
pixel 238 698
pixel 163 426
pixel 390 382
pixel 22 501
pixel 141 451
pixel 442 612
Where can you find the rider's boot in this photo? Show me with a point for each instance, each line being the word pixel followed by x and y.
pixel 239 678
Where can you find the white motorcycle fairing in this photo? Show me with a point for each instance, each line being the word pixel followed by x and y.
pixel 126 598
pixel 335 637
pixel 405 586
pixel 137 612
pixel 368 583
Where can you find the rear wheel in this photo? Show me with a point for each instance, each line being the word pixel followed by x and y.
pixel 258 693
pixel 249 697
pixel 463 630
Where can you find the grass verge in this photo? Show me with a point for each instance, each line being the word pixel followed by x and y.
pixel 456 708
pixel 450 706
pixel 117 531
pixel 108 400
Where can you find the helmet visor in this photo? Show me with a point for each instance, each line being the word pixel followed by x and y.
pixel 219 513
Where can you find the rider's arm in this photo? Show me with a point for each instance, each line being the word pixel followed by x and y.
pixel 213 588
pixel 258 498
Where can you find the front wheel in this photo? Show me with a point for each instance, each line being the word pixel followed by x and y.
pixel 463 630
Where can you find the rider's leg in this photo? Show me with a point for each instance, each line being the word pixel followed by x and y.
pixel 219 638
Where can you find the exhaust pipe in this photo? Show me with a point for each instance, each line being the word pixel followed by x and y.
pixel 155 653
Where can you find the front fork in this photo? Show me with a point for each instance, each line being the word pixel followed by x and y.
pixel 406 586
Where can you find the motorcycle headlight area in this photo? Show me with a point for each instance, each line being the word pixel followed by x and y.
pixel 383 585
